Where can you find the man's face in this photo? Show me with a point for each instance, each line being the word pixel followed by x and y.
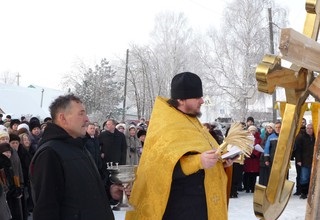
pixel 110 126
pixel 309 129
pixel 75 120
pixel 277 128
pixel 91 130
pixel 191 106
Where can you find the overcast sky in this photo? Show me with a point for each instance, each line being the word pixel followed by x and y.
pixel 42 40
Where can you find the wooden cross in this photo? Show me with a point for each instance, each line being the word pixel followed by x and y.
pixel 270 200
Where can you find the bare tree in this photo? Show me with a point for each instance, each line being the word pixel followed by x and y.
pixel 152 67
pixel 8 77
pixel 232 54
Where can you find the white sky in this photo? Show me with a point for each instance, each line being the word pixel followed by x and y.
pixel 43 39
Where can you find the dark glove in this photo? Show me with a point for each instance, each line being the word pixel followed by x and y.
pixel 14 192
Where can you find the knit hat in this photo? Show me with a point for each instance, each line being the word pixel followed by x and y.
pixel 270 125
pixel 4 147
pixel 14 137
pixel 252 128
pixel 23 125
pixel 250 119
pixel 141 132
pixel 186 85
pixel 14 121
pixel 34 124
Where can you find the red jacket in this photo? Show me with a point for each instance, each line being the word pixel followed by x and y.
pixel 251 164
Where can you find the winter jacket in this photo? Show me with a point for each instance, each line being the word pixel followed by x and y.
pixel 270 147
pixel 251 164
pixel 65 181
pixel 304 149
pixel 92 145
pixel 114 147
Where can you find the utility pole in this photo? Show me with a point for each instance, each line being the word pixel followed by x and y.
pixel 18 79
pixel 41 98
pixel 125 88
pixel 274 95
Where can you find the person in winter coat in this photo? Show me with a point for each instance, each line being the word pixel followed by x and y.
pixel 264 172
pixel 13 190
pixel 113 144
pixel 133 146
pixel 304 156
pixel 6 180
pixel 92 145
pixel 271 146
pixel 65 181
pixel 251 165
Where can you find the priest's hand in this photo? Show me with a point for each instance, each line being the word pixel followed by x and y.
pixel 209 158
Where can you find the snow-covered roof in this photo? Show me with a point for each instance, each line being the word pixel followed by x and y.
pixel 29 101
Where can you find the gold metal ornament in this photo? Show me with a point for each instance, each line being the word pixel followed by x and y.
pixel 270 201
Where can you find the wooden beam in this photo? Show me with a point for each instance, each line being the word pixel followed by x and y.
pixel 299 49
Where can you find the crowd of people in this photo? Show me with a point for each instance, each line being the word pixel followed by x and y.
pixel 21 139
pixel 57 169
pixel 247 171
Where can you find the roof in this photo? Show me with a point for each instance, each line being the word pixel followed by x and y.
pixel 32 101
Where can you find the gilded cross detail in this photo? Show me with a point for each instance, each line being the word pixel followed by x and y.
pixel 270 200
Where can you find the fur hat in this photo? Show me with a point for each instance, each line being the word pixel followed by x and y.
pixel 4 147
pixel 14 121
pixel 186 85
pixel 14 137
pixel 34 124
pixel 132 126
pixel 141 132
pixel 118 126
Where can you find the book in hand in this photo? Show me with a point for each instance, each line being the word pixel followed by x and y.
pixel 232 153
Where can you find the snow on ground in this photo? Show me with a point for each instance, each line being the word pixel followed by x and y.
pixel 242 208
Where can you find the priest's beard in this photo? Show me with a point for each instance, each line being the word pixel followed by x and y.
pixel 198 114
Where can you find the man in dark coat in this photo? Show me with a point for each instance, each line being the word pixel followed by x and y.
pixel 304 156
pixel 113 144
pixel 92 145
pixel 64 178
